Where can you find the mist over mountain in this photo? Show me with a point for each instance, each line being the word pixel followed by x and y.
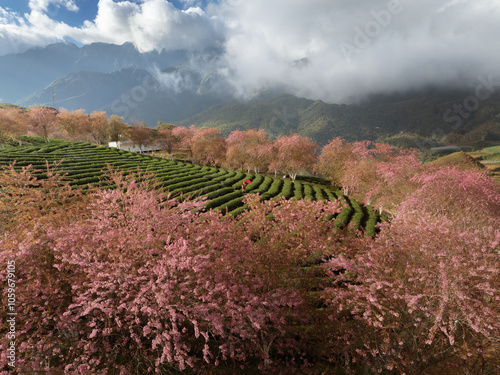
pixel 86 89
pixel 120 80
pixel 25 73
pixel 198 88
pixel 336 51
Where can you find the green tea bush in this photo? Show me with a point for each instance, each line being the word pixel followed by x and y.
pixel 238 184
pixel 219 191
pixel 343 218
pixel 287 190
pixel 231 205
pixel 297 190
pixel 187 183
pixel 216 202
pixel 308 192
pixel 265 186
pixel 330 195
pixel 357 219
pixel 318 193
pixel 255 183
pixel 273 191
pixel 85 181
pixel 239 210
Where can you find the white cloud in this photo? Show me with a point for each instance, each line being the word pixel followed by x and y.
pixel 154 24
pixel 360 46
pixel 354 47
pixel 43 5
pixel 149 24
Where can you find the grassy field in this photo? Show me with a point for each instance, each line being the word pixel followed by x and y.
pixel 85 165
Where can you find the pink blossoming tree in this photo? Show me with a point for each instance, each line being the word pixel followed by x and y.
pixel 294 154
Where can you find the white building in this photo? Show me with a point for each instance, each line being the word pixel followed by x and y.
pixel 129 146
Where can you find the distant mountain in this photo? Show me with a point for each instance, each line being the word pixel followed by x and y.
pixel 25 73
pixel 421 114
pixel 135 94
pixel 192 89
pixel 88 90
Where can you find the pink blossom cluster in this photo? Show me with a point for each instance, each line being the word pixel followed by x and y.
pixel 141 283
pixel 136 282
pixel 426 291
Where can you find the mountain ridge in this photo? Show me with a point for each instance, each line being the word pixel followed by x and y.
pixel 372 120
pixel 194 89
pixel 25 73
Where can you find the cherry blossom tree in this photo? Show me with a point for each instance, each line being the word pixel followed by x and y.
pixel 209 147
pixel 332 160
pixel 74 123
pixel 117 128
pixel 372 172
pixel 294 154
pixel 140 135
pixel 393 183
pixel 422 297
pixel 471 196
pixel 236 154
pixel 166 138
pixel 185 136
pixel 43 121
pixel 98 127
pixel 13 124
pixel 247 149
pixel 159 283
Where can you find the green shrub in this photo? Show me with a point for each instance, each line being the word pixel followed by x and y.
pixel 239 183
pixel 313 179
pixel 85 175
pixel 257 181
pixel 355 205
pixel 343 218
pixel 297 190
pixel 273 190
pixel 308 192
pixel 223 199
pixel 357 219
pixel 318 193
pixel 187 183
pixel 173 181
pixel 197 187
pixel 232 180
pixel 265 186
pixel 370 227
pixel 218 191
pixel 330 195
pixel 239 210
pixel 85 181
pixel 287 190
pixel 231 205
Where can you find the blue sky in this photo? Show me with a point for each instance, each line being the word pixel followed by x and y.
pixel 87 9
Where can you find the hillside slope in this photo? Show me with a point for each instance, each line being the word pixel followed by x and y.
pixel 85 165
pixel 24 73
pixel 88 90
pixel 422 113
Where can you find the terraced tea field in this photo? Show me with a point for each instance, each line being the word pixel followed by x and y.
pixel 85 164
